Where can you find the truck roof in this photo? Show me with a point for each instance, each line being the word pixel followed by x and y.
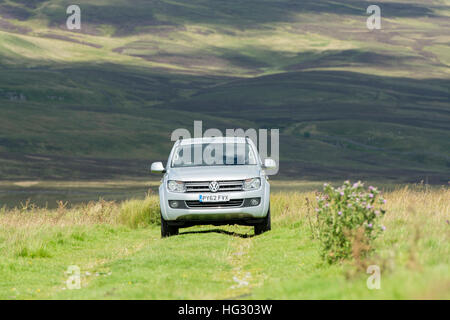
pixel 209 140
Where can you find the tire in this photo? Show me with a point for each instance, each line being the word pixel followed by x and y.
pixel 166 230
pixel 264 225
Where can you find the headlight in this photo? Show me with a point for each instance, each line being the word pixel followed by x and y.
pixel 175 186
pixel 252 184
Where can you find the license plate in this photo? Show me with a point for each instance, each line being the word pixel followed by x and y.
pixel 213 198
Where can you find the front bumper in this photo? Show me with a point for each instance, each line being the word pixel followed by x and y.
pixel 214 214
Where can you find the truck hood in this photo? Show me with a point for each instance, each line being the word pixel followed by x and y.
pixel 212 173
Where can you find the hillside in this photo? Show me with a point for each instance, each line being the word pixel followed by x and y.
pixel 102 102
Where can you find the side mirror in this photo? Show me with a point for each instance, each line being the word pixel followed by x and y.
pixel 157 167
pixel 270 164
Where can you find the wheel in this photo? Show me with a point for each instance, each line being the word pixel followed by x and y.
pixel 166 230
pixel 264 225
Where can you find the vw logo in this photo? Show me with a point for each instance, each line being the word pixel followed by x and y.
pixel 214 186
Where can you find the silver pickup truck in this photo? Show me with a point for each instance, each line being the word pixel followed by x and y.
pixel 214 181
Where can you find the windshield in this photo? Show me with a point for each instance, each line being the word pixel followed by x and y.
pixel 213 154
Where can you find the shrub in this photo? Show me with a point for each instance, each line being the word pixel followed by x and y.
pixel 346 214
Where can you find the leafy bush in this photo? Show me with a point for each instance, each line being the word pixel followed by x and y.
pixel 347 213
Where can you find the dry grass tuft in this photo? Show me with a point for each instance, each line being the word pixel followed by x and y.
pixel 26 231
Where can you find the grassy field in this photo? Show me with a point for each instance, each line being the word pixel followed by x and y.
pixel 100 103
pixel 118 248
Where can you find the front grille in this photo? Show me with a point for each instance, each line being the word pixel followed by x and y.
pixel 234 203
pixel 203 186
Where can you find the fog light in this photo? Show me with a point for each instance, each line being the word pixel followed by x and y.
pixel 254 202
pixel 173 204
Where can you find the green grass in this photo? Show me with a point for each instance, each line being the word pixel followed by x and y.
pixel 121 255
